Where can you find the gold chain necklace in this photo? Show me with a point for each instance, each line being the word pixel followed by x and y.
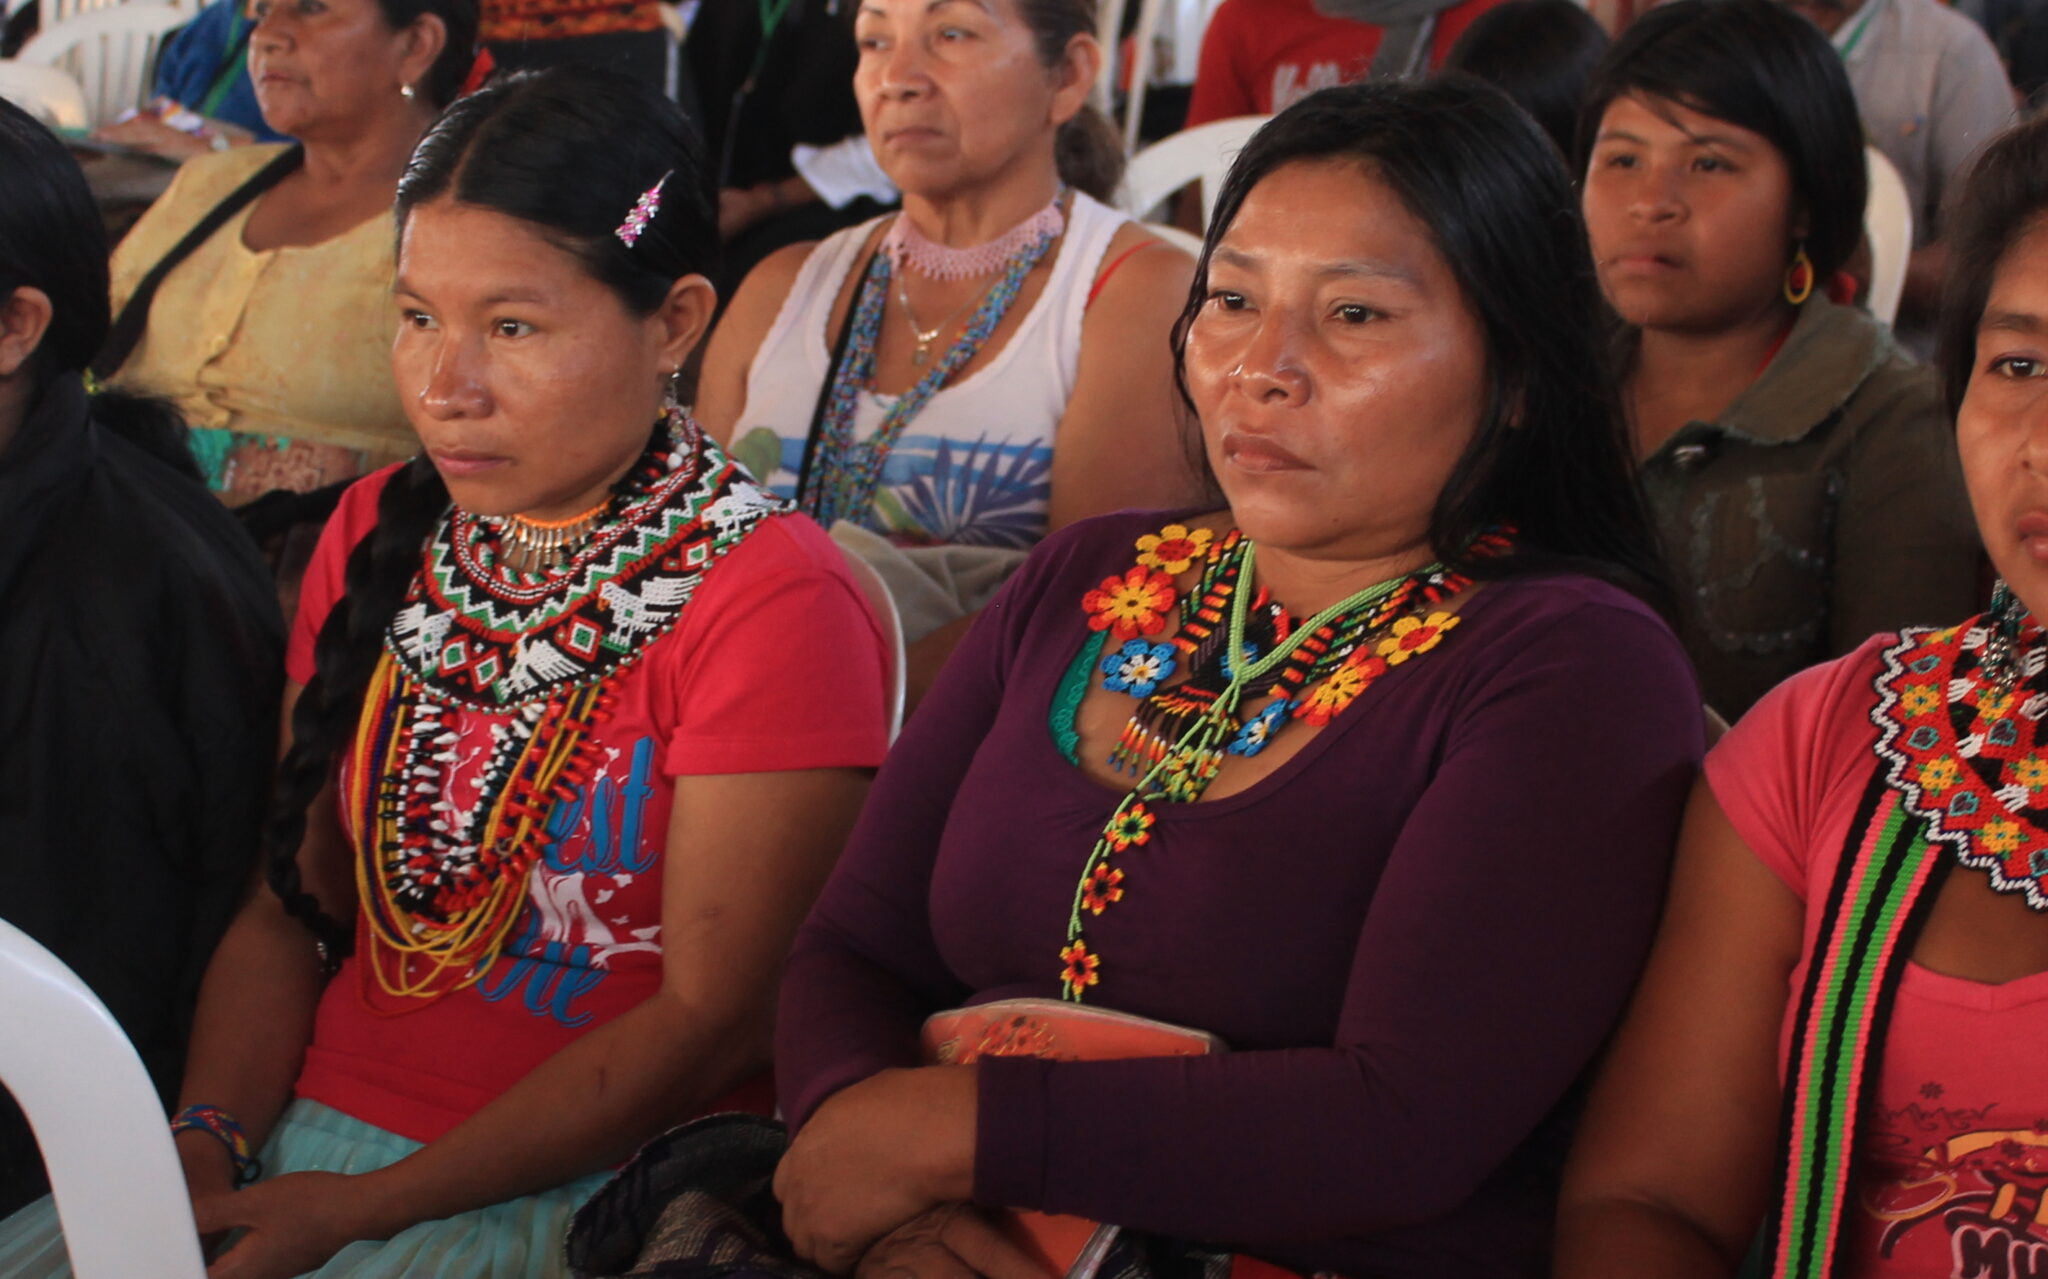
pixel 925 337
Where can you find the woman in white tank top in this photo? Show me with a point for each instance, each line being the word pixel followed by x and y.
pixel 1002 346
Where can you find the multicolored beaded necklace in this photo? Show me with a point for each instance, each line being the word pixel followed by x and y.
pixel 441 887
pixel 1237 644
pixel 1961 780
pixel 841 480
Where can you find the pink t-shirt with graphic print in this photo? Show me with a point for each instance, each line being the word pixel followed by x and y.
pixel 1952 1160
pixel 775 664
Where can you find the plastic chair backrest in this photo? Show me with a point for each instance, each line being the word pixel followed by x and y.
pixel 1186 241
pixel 1109 22
pixel 111 51
pixel 1888 223
pixel 113 1171
pixel 47 93
pixel 1145 46
pixel 884 604
pixel 1201 154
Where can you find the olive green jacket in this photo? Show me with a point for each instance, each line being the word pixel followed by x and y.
pixel 1826 504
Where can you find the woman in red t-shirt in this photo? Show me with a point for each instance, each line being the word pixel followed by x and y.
pixel 589 712
pixel 1840 1033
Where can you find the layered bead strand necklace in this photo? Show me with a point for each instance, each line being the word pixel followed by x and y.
pixel 539 644
pixel 841 480
pixel 1238 644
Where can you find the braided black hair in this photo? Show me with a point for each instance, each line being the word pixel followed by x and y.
pixel 567 151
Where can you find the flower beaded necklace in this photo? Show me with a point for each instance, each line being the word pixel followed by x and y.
pixel 1959 715
pixel 441 888
pixel 840 482
pixel 1961 781
pixel 1238 644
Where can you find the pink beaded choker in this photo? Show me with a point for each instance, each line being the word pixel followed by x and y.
pixel 910 248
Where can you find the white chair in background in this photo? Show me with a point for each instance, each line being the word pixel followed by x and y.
pixel 1888 224
pixel 56 11
pixel 111 52
pixel 1187 241
pixel 47 93
pixel 1202 154
pixel 1109 22
pixel 1145 41
pixel 884 604
pixel 113 1170
pixel 1172 27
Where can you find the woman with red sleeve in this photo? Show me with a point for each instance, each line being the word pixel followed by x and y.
pixel 1370 771
pixel 579 717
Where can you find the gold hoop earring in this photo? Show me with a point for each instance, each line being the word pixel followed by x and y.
pixel 1799 278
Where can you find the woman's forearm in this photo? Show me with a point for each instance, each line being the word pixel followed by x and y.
pixel 584 1109
pixel 249 1036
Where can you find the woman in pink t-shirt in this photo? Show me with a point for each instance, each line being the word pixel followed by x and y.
pixel 580 718
pixel 1840 1034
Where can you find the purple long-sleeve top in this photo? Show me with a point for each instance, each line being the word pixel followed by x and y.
pixel 1414 935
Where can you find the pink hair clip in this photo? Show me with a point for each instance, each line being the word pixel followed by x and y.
pixel 643 212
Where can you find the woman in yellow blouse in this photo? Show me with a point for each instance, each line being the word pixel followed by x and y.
pixel 272 330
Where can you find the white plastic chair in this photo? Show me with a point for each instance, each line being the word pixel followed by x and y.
pixel 1109 21
pixel 110 51
pixel 1888 223
pixel 1186 241
pixel 113 1170
pixel 1145 42
pixel 1202 154
pixel 56 11
pixel 47 93
pixel 884 604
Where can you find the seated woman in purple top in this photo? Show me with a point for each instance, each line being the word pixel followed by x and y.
pixel 1373 773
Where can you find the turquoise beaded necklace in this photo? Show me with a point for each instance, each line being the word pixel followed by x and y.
pixel 842 483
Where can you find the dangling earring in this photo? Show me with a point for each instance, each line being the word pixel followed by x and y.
pixel 1799 278
pixel 2001 660
pixel 671 399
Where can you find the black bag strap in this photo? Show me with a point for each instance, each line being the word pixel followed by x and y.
pixel 817 428
pixel 128 327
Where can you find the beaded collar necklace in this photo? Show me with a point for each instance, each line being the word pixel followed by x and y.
pixel 1959 716
pixel 1238 644
pixel 442 884
pixel 910 248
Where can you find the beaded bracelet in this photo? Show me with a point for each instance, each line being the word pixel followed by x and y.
pixel 222 1127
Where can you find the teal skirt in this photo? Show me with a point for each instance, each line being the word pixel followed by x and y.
pixel 518 1239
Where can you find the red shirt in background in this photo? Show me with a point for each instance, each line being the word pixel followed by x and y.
pixel 1262 56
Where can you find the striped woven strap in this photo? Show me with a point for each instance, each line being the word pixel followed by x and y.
pixel 1879 898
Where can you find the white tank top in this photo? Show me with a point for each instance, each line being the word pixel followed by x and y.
pixel 975 466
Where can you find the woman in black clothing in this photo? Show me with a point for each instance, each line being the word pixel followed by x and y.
pixel 140 646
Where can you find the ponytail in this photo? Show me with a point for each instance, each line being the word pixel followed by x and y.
pixel 153 425
pixel 380 571
pixel 1090 154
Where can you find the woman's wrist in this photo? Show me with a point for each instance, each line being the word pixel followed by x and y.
pixel 387 1203
pixel 948 1175
pixel 207 1165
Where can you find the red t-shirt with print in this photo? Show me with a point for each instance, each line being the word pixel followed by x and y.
pixel 1262 56
pixel 775 664
pixel 1951 1175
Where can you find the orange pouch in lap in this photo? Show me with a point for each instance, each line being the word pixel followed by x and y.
pixel 1059 1031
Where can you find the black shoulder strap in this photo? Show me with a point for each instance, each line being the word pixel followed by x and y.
pixel 134 318
pixel 803 475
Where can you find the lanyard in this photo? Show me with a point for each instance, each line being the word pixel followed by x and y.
pixel 234 59
pixel 772 13
pixel 1863 22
